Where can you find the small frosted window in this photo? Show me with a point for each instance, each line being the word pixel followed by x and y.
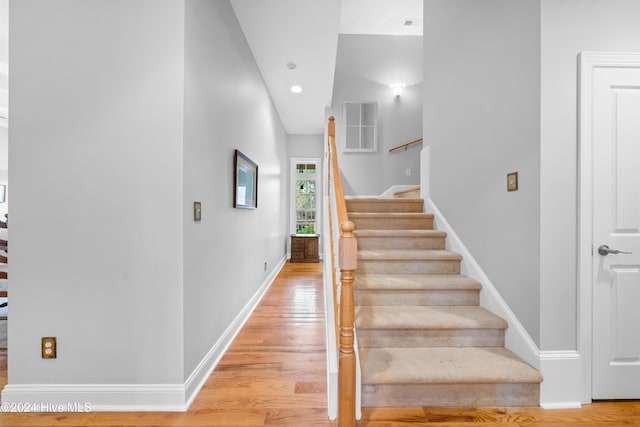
pixel 360 120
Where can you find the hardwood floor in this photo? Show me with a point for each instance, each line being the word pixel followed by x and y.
pixel 274 375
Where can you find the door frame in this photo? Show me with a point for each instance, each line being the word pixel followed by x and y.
pixel 292 191
pixel 588 63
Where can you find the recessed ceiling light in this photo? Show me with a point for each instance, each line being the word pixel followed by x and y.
pixel 296 89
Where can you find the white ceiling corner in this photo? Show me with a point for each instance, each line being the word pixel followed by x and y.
pixel 301 31
pixel 381 17
pixel 306 32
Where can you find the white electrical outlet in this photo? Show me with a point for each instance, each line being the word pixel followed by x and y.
pixel 408 172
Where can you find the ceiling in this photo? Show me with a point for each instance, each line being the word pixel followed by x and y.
pixel 305 33
pixel 282 32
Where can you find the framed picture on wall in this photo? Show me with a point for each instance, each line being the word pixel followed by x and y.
pixel 245 182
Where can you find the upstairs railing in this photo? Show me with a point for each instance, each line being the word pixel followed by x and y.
pixel 342 257
pixel 405 146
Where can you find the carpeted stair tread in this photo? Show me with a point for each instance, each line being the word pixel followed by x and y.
pixel 444 365
pixel 400 238
pixel 415 282
pixel 408 255
pixel 427 317
pixel 399 233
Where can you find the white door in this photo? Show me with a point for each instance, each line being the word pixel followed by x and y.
pixel 305 195
pixel 616 224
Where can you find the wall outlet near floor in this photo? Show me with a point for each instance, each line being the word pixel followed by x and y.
pixel 408 172
pixel 49 348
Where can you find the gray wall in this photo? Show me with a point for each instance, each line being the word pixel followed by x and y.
pixel 4 170
pixel 123 114
pixel 480 95
pixel 224 255
pixel 96 173
pixel 482 120
pixel 569 27
pixel 366 67
pixel 299 145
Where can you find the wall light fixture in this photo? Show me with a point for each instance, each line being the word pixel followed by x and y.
pixel 397 89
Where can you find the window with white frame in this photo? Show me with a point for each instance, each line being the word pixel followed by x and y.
pixel 360 120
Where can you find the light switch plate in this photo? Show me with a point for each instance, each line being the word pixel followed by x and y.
pixel 197 211
pixel 512 181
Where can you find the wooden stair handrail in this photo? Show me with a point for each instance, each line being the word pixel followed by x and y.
pixel 337 179
pixel 333 166
pixel 344 311
pixel 415 141
pixel 334 282
pixel 406 190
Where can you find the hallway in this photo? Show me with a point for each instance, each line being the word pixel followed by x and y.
pixel 274 374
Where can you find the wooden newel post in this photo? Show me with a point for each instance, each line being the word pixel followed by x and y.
pixel 347 360
pixel 331 130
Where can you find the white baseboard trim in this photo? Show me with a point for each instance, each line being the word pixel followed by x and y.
pixel 563 383
pixel 199 376
pixel 561 405
pixel 516 339
pixel 131 397
pixel 92 397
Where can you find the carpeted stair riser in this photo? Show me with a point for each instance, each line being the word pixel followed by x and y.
pixel 416 289
pixel 408 266
pixel 408 262
pixel 434 297
pixel 391 221
pixel 385 205
pixel 403 338
pixel 388 239
pixel 419 326
pixel 451 395
pixel 416 282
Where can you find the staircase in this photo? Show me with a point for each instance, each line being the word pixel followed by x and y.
pixel 422 336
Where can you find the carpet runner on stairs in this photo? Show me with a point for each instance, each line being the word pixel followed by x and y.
pixel 422 336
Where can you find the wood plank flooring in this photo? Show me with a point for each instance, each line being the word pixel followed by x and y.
pixel 274 375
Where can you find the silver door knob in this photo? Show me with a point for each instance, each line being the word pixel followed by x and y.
pixel 604 251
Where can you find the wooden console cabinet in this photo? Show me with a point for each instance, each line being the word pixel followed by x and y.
pixel 304 248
